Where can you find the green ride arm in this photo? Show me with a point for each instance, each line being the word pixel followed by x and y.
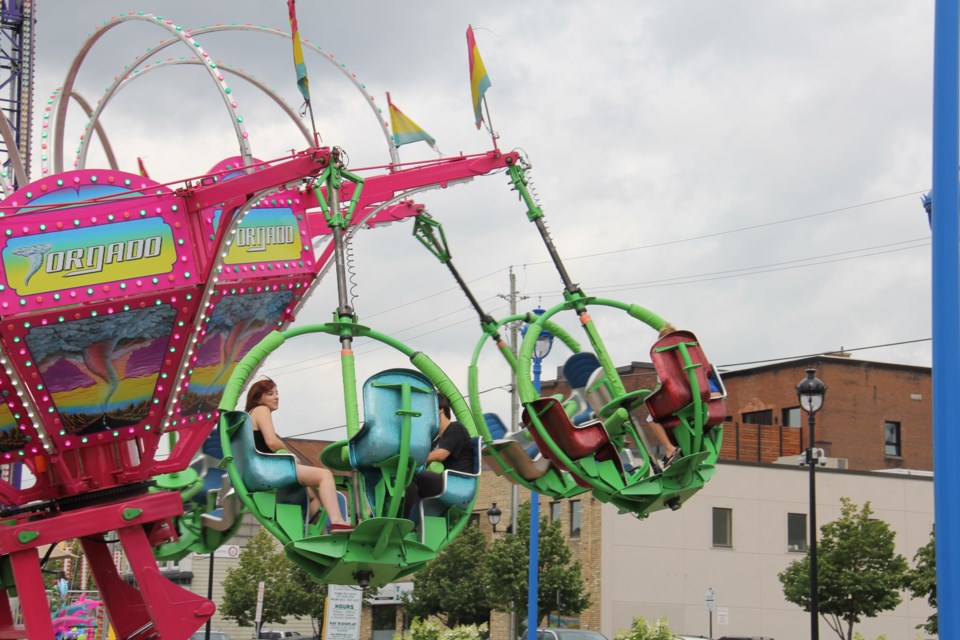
pixel 321 179
pixel 519 179
pixel 423 230
pixel 348 371
pixel 251 361
pixel 445 386
pixel 357 180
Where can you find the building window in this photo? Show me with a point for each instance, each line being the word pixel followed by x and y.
pixel 384 622
pixel 574 518
pixel 722 527
pixel 554 511
pixel 891 442
pixel 790 417
pixel 757 417
pixel 796 532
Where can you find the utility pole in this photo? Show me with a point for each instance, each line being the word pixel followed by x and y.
pixel 514 394
pixel 514 425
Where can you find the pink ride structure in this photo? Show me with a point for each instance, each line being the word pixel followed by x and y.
pixel 125 305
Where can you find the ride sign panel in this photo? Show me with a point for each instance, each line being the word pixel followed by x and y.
pixel 341 617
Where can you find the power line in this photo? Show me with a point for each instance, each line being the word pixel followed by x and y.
pixel 678 280
pixel 739 229
pixel 733 273
pixel 705 277
pixel 661 244
pixel 768 268
pixel 813 355
pixel 379 347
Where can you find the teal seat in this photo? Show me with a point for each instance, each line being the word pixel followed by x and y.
pixel 459 488
pixel 400 416
pixel 380 438
pixel 259 471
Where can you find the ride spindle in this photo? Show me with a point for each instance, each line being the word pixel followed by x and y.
pixel 430 234
pixel 518 177
pixel 577 300
pixel 339 222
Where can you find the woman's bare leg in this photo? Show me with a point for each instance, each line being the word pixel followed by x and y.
pixel 323 480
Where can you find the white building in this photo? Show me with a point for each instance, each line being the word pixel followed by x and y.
pixel 733 537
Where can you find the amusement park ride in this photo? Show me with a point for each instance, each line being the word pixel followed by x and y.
pixel 134 313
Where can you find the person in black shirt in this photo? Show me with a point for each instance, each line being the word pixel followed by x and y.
pixel 263 399
pixel 452 447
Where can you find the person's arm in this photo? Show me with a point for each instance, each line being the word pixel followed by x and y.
pixel 452 440
pixel 264 422
pixel 438 455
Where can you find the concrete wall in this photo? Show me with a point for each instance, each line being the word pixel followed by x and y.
pixel 662 566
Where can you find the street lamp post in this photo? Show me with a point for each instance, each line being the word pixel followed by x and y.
pixel 493 516
pixel 811 392
pixel 540 351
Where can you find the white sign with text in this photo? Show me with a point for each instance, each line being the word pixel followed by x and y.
pixel 341 616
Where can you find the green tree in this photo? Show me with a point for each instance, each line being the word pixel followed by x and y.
pixel 505 571
pixel 643 630
pixel 262 560
pixel 860 574
pixel 440 589
pixel 308 598
pixel 922 581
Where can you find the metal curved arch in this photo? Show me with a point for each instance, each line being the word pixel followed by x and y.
pixel 351 76
pixel 329 57
pixel 81 157
pixel 180 36
pixel 107 148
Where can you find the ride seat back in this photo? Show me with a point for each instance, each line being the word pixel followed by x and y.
pixel 516 458
pixel 575 441
pixel 379 439
pixel 716 406
pixel 259 471
pixel 459 488
pixel 578 370
pixel 675 392
pixel 597 392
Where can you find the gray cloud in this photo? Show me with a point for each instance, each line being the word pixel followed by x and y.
pixel 647 123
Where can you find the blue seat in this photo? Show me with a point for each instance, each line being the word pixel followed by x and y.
pixel 379 439
pixel 228 508
pixel 459 488
pixel 495 426
pixel 577 370
pixel 259 471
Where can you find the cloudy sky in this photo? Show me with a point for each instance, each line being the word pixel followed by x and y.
pixel 750 170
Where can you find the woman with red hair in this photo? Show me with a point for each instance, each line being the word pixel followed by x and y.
pixel 263 399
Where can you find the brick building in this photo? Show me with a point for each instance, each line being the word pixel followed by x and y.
pixel 875 415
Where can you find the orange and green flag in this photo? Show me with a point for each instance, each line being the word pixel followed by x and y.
pixel 302 82
pixel 406 130
pixel 479 80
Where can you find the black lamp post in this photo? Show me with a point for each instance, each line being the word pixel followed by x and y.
pixel 810 392
pixel 493 516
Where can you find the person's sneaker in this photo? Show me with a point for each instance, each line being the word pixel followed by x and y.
pixel 670 459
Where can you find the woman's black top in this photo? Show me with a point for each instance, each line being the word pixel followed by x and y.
pixel 259 443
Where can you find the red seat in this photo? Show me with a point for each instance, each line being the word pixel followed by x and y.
pixel 674 392
pixel 587 440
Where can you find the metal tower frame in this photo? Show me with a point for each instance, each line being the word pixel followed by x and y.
pixel 16 77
